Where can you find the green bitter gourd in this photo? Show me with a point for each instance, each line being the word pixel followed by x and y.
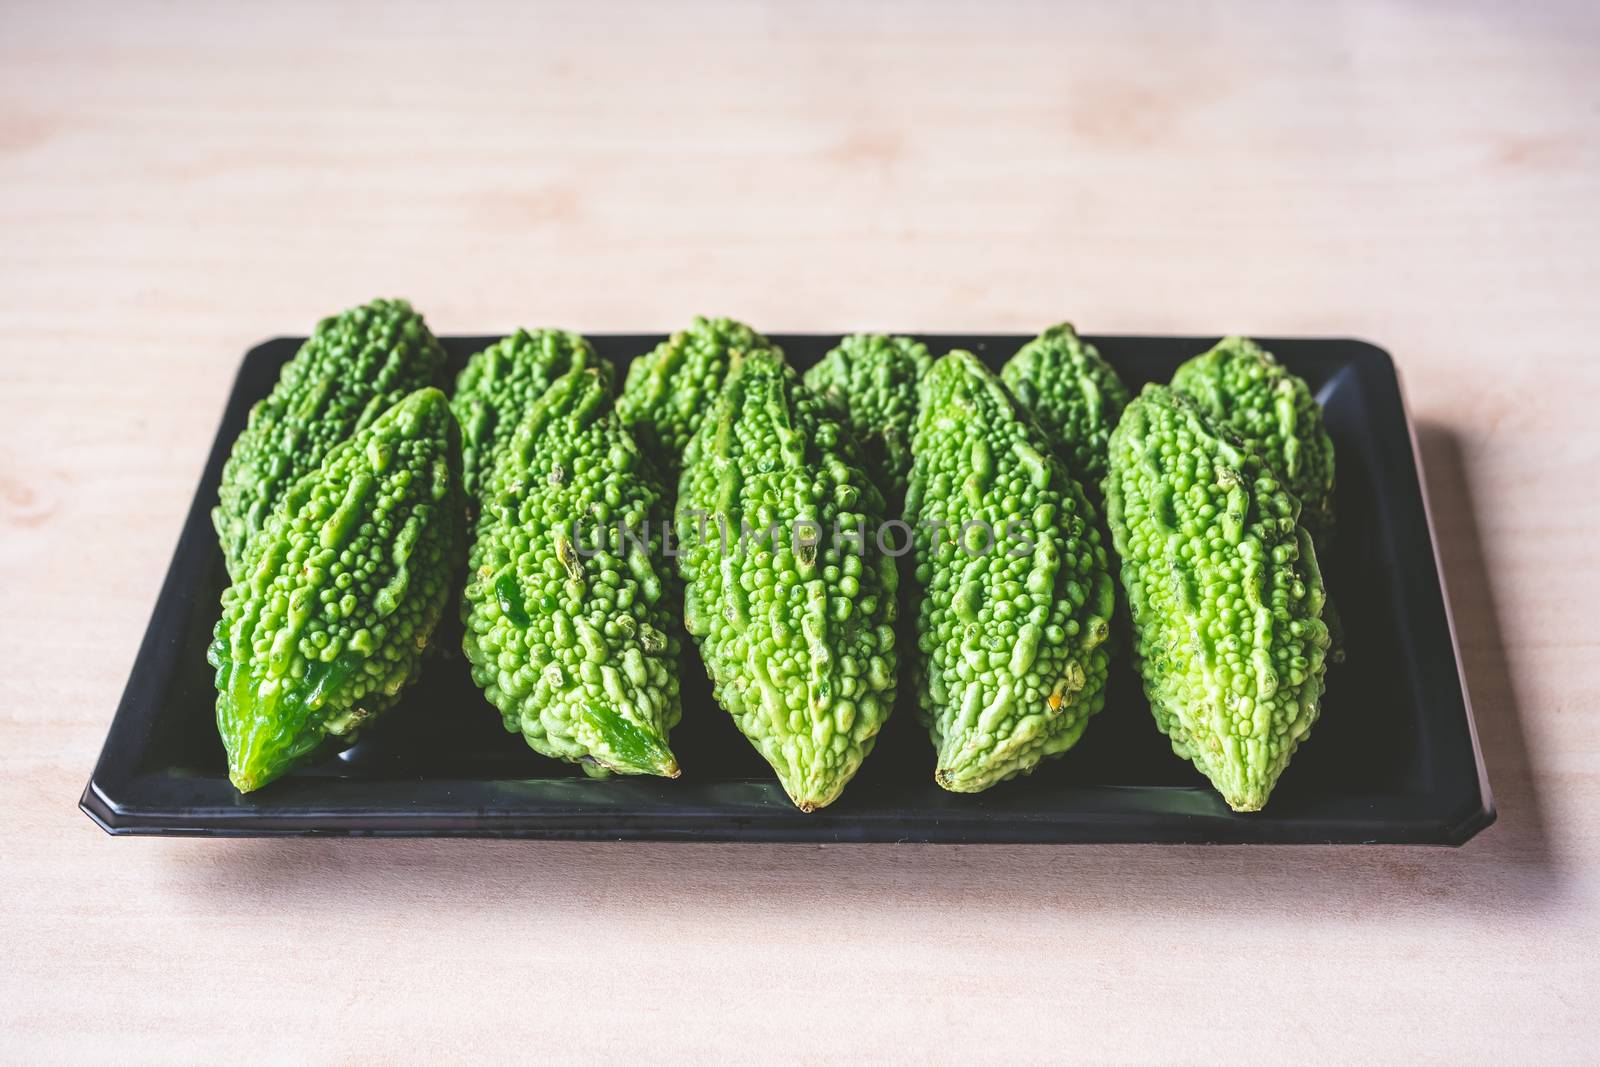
pixel 499 385
pixel 1011 587
pixel 348 579
pixel 787 592
pixel 1224 591
pixel 570 601
pixel 669 390
pixel 1241 386
pixel 1075 397
pixel 872 380
pixel 353 367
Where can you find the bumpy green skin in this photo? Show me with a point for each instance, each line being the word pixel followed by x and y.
pixel 1074 396
pixel 797 630
pixel 1011 589
pixel 872 380
pixel 1224 590
pixel 352 368
pixel 569 624
pixel 348 580
pixel 1241 386
pixel 669 390
pixel 500 384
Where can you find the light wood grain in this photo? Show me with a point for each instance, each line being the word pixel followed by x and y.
pixel 180 180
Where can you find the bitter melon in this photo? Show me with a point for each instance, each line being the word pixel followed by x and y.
pixel 872 380
pixel 1011 588
pixel 346 583
pixel 1224 591
pixel 570 600
pixel 1075 397
pixel 787 590
pixel 669 390
pixel 353 367
pixel 500 384
pixel 1244 388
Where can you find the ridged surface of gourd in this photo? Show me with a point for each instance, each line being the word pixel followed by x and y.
pixel 1224 591
pixel 872 380
pixel 500 384
pixel 329 620
pixel 1011 587
pixel 352 368
pixel 1074 395
pixel 669 390
pixel 571 602
pixel 1241 386
pixel 795 625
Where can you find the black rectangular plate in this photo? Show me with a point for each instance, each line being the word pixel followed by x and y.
pixel 1394 758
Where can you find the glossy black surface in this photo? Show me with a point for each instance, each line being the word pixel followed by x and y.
pixel 1393 759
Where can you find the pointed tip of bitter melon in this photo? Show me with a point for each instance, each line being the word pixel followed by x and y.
pixel 958 781
pixel 623 746
pixel 972 776
pixel 250 745
pixel 664 767
pixel 813 792
pixel 806 803
pixel 810 787
pixel 259 750
pixel 1242 792
pixel 244 781
pixel 972 762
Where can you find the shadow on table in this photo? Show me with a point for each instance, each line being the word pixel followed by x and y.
pixel 1510 867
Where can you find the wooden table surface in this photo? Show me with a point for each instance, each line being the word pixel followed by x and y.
pixel 180 180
